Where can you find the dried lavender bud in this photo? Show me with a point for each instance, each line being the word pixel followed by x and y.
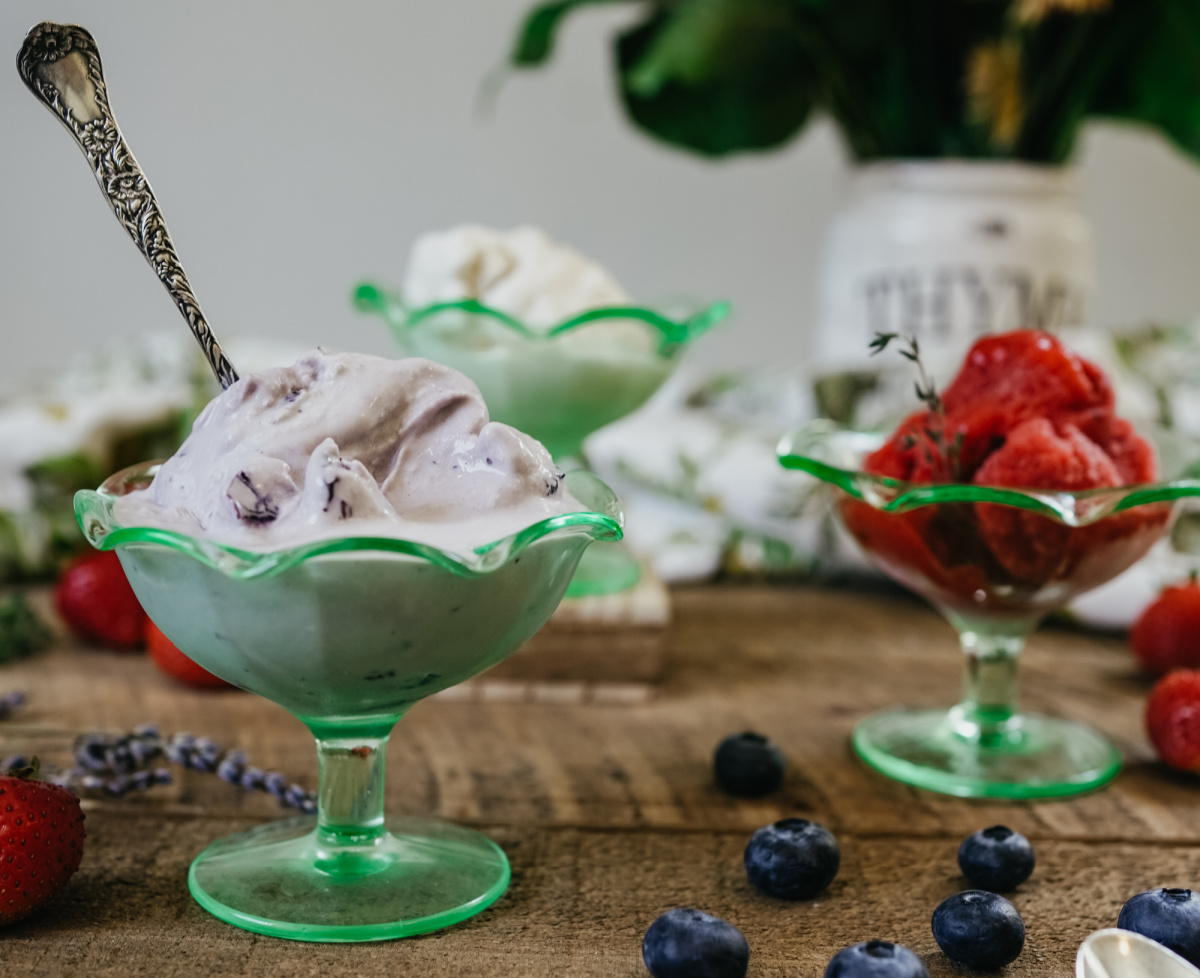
pixel 207 755
pixel 89 753
pixel 297 797
pixel 230 769
pixel 142 750
pixel 197 753
pixel 123 784
pixel 92 751
pixel 252 779
pixel 178 748
pixel 117 754
pixel 118 764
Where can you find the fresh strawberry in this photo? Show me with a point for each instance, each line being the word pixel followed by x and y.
pixel 1167 634
pixel 1173 719
pixel 41 842
pixel 95 599
pixel 169 659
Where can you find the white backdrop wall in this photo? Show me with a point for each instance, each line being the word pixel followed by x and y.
pixel 298 147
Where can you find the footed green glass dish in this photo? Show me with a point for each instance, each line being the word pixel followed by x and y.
pixel 558 385
pixel 994 561
pixel 348 634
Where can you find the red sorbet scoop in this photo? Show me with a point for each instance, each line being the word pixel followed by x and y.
pixel 1006 380
pixel 1036 456
pixel 1026 413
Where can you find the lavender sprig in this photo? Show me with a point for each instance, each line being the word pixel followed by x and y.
pixel 118 764
pixel 235 769
pixel 118 754
pixel 114 765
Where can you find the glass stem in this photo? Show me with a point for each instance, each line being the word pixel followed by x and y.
pixel 991 704
pixel 351 760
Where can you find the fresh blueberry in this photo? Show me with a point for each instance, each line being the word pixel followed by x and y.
pixel 685 943
pixel 996 859
pixel 876 959
pixel 1169 916
pixel 793 858
pixel 748 765
pixel 979 929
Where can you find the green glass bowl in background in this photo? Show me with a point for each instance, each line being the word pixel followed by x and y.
pixel 994 561
pixel 551 384
pixel 348 634
pixel 558 385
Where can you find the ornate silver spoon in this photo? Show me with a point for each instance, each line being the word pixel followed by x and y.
pixel 61 66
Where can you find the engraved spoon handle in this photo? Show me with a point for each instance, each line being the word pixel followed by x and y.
pixel 60 64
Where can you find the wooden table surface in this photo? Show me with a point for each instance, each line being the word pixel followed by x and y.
pixel 609 814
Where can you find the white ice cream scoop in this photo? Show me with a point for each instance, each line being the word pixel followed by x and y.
pixel 1114 953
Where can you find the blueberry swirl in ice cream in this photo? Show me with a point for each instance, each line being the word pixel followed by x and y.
pixel 347 444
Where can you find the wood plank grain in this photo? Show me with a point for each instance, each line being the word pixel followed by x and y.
pixel 578 906
pixel 799 664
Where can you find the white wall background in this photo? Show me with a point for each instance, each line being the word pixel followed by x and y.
pixel 298 147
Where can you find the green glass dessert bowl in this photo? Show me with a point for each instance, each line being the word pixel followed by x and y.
pixel 559 384
pixel 994 561
pixel 348 634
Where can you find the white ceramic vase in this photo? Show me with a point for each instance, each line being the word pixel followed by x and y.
pixel 948 250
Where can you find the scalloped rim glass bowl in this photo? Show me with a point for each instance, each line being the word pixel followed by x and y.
pixel 555 384
pixel 347 634
pixel 994 561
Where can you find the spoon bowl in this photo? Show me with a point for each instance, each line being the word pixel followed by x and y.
pixel 1114 953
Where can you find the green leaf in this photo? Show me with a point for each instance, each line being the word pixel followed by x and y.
pixel 717 76
pixel 22 632
pixel 1157 81
pixel 535 39
pixel 56 480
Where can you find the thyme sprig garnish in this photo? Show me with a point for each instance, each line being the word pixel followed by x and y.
pixel 948 451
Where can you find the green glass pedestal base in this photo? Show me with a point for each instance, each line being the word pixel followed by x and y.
pixel 416 877
pixel 1035 756
pixel 605 568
